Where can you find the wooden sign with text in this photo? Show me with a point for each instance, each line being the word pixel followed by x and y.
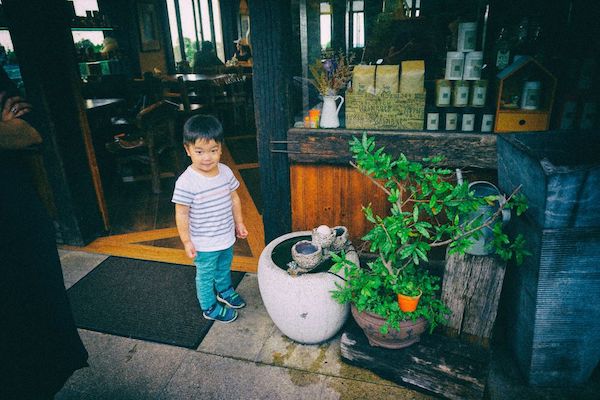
pixel 385 111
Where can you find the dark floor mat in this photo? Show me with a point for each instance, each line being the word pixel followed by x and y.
pixel 143 300
pixel 243 149
pixel 251 178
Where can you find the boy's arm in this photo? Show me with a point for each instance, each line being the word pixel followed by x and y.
pixel 182 219
pixel 240 228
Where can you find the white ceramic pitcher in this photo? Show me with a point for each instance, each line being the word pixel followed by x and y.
pixel 329 114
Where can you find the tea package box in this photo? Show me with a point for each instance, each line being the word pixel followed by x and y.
pixel 386 108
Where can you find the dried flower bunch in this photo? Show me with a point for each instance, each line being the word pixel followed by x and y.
pixel 331 75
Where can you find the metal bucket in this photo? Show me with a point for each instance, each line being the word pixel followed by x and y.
pixel 484 189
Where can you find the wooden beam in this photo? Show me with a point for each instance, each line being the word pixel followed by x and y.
pixel 270 38
pixel 331 146
pixel 438 365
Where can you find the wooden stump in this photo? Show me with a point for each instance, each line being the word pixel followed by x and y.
pixel 439 365
pixel 471 289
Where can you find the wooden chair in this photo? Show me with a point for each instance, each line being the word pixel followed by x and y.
pixel 180 93
pixel 224 97
pixel 155 135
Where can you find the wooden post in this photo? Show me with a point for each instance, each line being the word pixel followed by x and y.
pixel 271 38
pixel 471 289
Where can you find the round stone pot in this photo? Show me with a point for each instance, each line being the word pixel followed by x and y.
pixel 301 306
pixel 409 333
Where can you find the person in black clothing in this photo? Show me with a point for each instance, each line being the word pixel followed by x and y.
pixel 39 343
pixel 242 50
pixel 206 60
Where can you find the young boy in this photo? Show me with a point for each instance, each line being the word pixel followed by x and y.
pixel 208 213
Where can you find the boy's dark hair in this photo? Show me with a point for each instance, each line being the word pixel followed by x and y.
pixel 205 127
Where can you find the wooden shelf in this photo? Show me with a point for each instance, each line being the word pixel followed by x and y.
pixel 521 111
pixel 91 28
pixel 330 146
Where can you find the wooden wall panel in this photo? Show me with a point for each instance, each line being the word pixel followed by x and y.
pixel 332 195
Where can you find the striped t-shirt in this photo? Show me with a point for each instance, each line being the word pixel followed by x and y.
pixel 212 227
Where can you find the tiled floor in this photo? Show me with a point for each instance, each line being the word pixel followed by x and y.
pixel 250 359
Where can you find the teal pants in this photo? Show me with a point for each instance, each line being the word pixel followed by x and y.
pixel 213 270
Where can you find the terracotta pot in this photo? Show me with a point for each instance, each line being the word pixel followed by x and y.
pixel 409 333
pixel 408 303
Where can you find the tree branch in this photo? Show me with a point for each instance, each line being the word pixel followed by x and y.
pixel 487 223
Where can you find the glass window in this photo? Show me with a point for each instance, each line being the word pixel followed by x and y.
pixel 358 24
pixel 218 30
pixel 174 31
pixel 205 19
pixel 94 38
pixel 81 6
pixel 188 28
pixel 413 8
pixel 195 24
pixel 8 58
pixel 325 25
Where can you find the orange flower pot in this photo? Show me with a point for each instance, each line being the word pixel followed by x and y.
pixel 408 303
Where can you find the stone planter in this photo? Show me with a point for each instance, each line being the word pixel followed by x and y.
pixel 301 306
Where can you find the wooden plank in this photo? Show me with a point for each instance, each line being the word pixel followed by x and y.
pixel 471 289
pixel 162 254
pixel 330 146
pixel 436 365
pixel 332 195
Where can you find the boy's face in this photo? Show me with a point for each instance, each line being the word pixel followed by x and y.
pixel 205 155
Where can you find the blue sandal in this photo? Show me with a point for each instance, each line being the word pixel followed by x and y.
pixel 220 313
pixel 231 298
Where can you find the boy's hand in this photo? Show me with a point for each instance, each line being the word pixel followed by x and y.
pixel 190 250
pixel 241 231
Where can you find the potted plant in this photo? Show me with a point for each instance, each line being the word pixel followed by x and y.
pixel 426 211
pixel 409 294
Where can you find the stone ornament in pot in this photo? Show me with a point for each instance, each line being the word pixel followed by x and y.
pixel 307 255
pixel 323 236
pixel 341 238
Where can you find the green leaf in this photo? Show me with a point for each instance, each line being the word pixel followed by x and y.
pixel 422 231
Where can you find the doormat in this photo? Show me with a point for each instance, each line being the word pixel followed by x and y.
pixel 145 300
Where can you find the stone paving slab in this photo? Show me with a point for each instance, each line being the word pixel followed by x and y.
pixel 77 264
pixel 243 338
pixel 339 388
pixel 207 376
pixel 123 368
pixel 321 358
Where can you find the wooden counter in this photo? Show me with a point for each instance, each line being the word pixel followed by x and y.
pixel 326 190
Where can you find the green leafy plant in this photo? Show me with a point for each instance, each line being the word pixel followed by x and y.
pixel 408 287
pixel 426 211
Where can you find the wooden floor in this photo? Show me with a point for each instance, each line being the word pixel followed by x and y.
pixel 143 224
